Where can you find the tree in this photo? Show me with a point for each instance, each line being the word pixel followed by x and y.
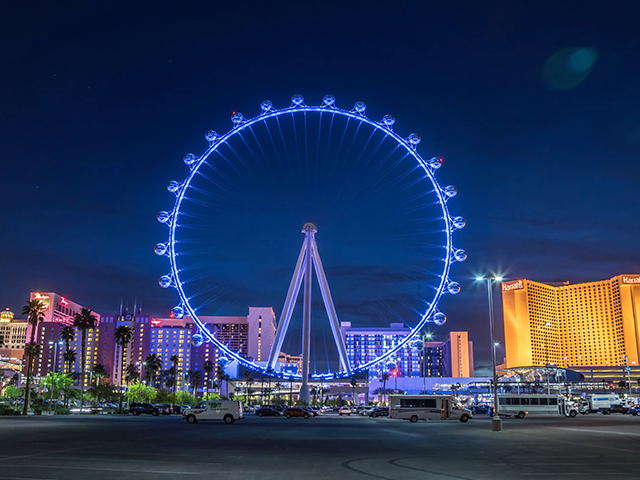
pixel 278 387
pixel 34 309
pixel 174 359
pixel 222 377
pixel 270 372
pixel 67 334
pixel 208 370
pixel 194 376
pixel 153 363
pixel 123 336
pixel 247 384
pixel 384 378
pixel 139 392
pixel 99 373
pixel 131 373
pixel 354 384
pixel 83 322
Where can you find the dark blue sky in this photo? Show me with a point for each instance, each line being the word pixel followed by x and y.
pixel 100 101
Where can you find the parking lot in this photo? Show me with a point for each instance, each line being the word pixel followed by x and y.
pixel 325 447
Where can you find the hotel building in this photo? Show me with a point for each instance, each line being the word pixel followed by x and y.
pixel 451 358
pixel 581 325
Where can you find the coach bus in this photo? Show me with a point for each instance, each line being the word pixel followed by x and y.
pixel 523 405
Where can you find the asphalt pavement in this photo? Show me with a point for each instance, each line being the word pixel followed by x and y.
pixel 327 447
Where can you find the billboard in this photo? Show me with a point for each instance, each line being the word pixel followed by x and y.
pixel 630 279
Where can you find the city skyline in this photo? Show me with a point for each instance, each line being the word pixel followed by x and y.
pixel 540 136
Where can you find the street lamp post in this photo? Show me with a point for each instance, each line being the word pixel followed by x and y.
pixel 55 358
pixel 628 370
pixel 427 336
pixel 496 423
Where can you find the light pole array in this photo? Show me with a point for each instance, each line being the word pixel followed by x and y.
pixel 496 423
pixel 628 370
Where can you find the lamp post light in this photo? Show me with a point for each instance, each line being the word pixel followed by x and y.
pixel 496 422
pixel 53 371
pixel 427 336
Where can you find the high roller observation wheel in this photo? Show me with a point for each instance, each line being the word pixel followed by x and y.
pixel 357 114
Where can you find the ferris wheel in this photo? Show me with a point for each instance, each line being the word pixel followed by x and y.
pixel 376 203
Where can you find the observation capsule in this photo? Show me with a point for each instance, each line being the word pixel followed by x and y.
pixel 177 311
pixel 417 344
pixel 328 101
pixel 414 139
pixel 190 159
pixel 439 318
pixel 450 191
pixel 388 120
pixel 460 255
pixel 266 106
pixel 160 249
pixel 164 217
pixel 211 136
pixel 360 107
pixel 459 222
pixel 297 100
pixel 165 281
pixel 435 163
pixel 173 186
pixel 197 340
pixel 453 288
pixel 237 118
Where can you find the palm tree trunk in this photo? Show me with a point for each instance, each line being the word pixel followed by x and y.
pixel 121 375
pixel 84 361
pixel 29 366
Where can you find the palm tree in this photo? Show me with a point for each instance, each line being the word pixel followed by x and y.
pixel 99 373
pixel 174 359
pixel 354 384
pixel 84 321
pixel 69 358
pixel 34 309
pixel 131 373
pixel 270 372
pixel 247 385
pixel 195 376
pixel 220 374
pixel 278 387
pixel 208 370
pixel 153 363
pixel 384 378
pixel 67 334
pixel 123 336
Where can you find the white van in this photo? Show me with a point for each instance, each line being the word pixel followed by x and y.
pixel 427 407
pixel 226 410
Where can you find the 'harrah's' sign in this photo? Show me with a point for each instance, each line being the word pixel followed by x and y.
pixel 631 279
pixel 515 285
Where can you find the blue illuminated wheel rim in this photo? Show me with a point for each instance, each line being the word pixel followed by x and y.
pixel 298 107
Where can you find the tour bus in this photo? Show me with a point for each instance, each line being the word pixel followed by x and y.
pixel 523 405
pixel 427 407
pixel 226 410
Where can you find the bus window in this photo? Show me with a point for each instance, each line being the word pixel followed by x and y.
pixel 515 401
pixel 544 401
pixel 503 401
pixel 524 401
pixel 418 402
pixel 534 401
pixel 553 401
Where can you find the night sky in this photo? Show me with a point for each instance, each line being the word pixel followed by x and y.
pixel 534 107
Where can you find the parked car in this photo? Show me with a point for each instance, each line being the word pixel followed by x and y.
pixel 616 409
pixel 380 412
pixel 267 412
pixel 345 411
pixel 297 412
pixel 366 410
pixel 635 411
pixel 144 408
pixel 227 410
pixel 311 411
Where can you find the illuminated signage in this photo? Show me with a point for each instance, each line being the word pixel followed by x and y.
pixel 631 279
pixel 155 322
pixel 44 298
pixel 63 302
pixel 515 285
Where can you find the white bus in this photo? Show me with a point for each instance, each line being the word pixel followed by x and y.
pixel 427 407
pixel 523 405
pixel 227 410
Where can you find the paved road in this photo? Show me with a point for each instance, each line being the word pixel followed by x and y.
pixel 328 447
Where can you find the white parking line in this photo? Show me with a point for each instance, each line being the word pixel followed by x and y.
pixel 598 431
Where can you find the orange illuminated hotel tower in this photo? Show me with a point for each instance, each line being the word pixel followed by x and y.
pixel 586 324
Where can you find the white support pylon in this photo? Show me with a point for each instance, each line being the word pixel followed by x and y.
pixel 308 259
